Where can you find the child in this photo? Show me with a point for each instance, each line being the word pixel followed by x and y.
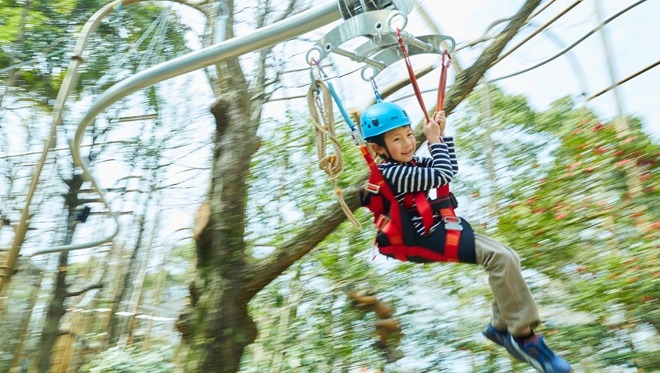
pixel 386 127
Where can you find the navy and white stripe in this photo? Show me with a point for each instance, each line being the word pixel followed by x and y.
pixel 452 152
pixel 423 173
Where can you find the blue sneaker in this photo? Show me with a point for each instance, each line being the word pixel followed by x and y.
pixel 540 356
pixel 502 338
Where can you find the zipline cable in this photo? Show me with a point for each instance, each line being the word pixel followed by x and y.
pixel 562 52
pixel 624 80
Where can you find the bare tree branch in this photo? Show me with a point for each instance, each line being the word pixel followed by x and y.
pixel 468 79
pixel 265 271
pixel 315 231
pixel 84 290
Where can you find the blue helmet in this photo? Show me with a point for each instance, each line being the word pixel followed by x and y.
pixel 382 117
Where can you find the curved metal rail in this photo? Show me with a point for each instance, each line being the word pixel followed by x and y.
pixel 70 80
pixel 261 38
pixel 266 36
pixel 269 35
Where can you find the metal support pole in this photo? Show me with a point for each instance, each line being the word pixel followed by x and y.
pixel 70 80
pixel 261 38
pixel 620 123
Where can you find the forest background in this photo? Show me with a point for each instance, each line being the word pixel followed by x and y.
pixel 266 284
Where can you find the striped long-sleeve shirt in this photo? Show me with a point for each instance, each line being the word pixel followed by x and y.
pixel 422 174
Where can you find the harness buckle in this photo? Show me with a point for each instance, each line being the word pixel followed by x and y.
pixel 452 198
pixel 372 188
pixel 381 221
pixel 452 223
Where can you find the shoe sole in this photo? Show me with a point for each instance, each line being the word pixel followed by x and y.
pixel 533 362
pixel 503 343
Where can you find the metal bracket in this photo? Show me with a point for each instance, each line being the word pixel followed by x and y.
pixel 350 8
pixel 368 24
pixel 381 48
pixel 387 55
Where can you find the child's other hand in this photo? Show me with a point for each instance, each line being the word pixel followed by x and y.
pixel 439 117
pixel 435 128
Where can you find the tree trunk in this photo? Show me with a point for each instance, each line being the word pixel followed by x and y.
pixel 56 309
pixel 25 324
pixel 221 323
pixel 216 326
pixel 51 329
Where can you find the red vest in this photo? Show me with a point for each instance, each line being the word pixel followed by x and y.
pixel 452 240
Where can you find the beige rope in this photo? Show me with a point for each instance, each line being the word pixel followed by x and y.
pixel 320 109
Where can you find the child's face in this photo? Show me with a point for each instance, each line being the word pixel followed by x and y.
pixel 401 144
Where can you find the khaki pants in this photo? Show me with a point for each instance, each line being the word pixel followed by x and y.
pixel 514 307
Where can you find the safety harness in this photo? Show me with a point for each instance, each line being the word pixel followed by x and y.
pixel 450 241
pixel 397 237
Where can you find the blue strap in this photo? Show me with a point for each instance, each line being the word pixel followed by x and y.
pixel 343 112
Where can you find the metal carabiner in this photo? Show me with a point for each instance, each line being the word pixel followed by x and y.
pixel 376 92
pixel 315 75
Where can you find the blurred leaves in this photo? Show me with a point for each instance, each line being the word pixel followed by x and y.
pixel 554 184
pixel 133 359
pixel 562 201
pixel 41 32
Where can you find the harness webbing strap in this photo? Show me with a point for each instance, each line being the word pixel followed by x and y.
pixel 442 84
pixel 451 244
pixel 425 211
pixel 411 73
pixel 408 201
pixel 453 235
pixel 415 251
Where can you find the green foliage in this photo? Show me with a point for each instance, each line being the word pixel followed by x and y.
pixel 11 18
pixel 562 201
pixel 133 359
pixel 35 33
pixel 581 223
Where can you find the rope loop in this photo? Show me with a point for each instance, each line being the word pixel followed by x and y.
pixel 319 100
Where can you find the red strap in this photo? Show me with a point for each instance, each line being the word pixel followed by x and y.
pixel 414 251
pixel 452 238
pixel 442 191
pixel 411 73
pixel 442 85
pixel 378 176
pixel 451 245
pixel 408 200
pixel 424 210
